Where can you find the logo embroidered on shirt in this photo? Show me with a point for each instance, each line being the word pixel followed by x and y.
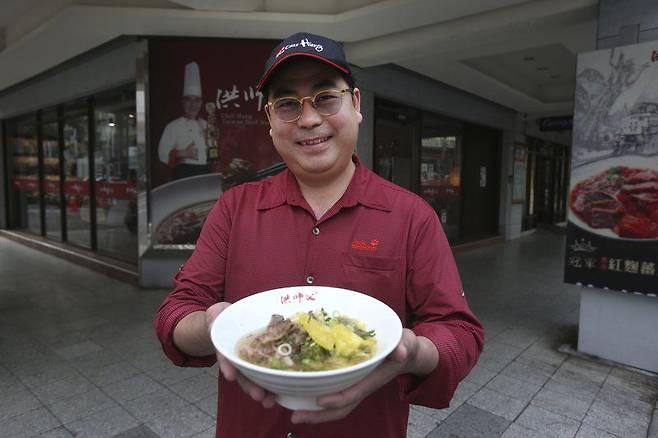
pixel 365 246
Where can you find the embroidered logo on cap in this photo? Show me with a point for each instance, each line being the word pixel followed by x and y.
pixel 304 43
pixel 365 246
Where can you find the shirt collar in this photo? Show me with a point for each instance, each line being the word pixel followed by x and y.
pixel 362 190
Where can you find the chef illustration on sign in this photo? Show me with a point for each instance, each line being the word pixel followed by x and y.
pixel 183 144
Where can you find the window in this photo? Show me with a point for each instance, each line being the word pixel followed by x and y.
pixel 76 174
pixel 116 173
pixel 49 173
pixel 24 175
pixel 440 170
pixel 396 139
pixel 51 177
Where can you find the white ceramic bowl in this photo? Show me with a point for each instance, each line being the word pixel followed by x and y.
pixel 300 389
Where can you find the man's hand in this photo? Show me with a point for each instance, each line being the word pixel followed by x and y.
pixel 231 373
pixel 414 354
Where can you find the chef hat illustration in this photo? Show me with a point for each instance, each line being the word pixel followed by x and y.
pixel 192 82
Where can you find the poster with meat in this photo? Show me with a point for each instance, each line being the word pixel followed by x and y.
pixel 207 130
pixel 612 231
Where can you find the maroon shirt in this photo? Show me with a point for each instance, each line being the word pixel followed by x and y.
pixel 378 239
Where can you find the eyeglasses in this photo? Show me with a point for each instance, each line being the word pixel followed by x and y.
pixel 325 102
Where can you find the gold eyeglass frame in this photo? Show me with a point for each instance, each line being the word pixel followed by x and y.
pixel 270 105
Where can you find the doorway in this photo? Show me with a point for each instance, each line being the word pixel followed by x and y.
pixel 480 183
pixel 547 184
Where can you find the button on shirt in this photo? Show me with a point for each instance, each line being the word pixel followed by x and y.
pixel 378 239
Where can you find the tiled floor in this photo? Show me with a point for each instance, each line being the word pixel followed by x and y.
pixel 78 357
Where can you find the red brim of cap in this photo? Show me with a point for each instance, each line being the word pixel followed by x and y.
pixel 267 74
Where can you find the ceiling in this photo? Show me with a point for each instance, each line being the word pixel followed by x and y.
pixel 520 54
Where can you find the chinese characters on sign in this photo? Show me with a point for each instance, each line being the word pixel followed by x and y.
pixel 603 263
pixel 298 297
pixel 591 260
pixel 232 97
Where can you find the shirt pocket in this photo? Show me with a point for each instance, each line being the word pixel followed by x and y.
pixel 377 276
pixel 371 263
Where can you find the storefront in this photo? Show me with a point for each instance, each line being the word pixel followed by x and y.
pixel 71 171
pixel 127 165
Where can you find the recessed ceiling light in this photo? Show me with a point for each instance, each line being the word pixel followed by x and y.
pixel 528 58
pixel 542 68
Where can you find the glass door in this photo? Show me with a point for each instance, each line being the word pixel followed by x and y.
pixel 561 183
pixel 396 144
pixel 76 174
pixel 529 213
pixel 51 179
pixel 116 173
pixel 23 169
pixel 440 170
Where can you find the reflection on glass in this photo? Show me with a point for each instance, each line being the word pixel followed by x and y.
pixel 440 170
pixel 76 174
pixel 395 138
pixel 116 173
pixel 51 189
pixel 24 175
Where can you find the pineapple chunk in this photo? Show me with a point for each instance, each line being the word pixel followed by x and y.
pixel 337 337
pixel 346 341
pixel 319 332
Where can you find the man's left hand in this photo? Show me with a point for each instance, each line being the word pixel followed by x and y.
pixel 414 354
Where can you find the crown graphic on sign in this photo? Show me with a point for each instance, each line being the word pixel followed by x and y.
pixel 582 246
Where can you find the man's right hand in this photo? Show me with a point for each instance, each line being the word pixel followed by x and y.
pixel 230 372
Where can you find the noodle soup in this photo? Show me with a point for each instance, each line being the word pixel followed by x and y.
pixel 311 341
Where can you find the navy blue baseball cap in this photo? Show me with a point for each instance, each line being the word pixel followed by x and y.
pixel 309 45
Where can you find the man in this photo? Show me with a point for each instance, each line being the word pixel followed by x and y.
pixel 183 142
pixel 327 220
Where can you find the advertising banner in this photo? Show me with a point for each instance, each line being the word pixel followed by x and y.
pixel 612 232
pixel 207 129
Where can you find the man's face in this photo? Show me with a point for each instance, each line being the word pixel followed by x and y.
pixel 191 106
pixel 316 148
